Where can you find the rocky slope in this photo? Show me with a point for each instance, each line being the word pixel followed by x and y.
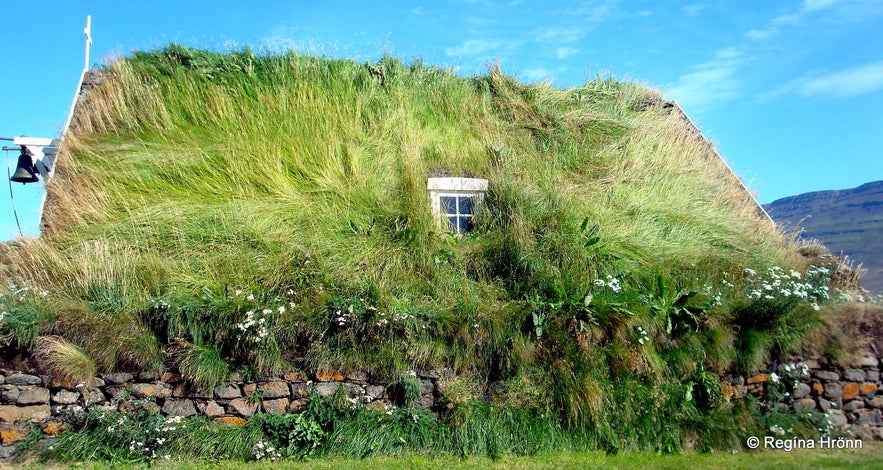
pixel 848 221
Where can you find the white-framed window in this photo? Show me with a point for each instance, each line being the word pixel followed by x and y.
pixel 454 201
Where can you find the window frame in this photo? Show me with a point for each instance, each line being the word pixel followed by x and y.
pixel 473 188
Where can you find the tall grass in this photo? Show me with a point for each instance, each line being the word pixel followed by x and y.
pixel 193 180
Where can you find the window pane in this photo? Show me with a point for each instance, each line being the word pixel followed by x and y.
pixel 448 204
pixel 465 205
pixel 465 224
pixel 452 224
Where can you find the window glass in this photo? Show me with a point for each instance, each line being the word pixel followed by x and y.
pixel 465 224
pixel 449 204
pixel 465 205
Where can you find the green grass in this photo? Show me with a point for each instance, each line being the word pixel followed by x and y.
pixel 870 457
pixel 220 212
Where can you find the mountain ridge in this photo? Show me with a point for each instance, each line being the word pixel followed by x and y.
pixel 847 221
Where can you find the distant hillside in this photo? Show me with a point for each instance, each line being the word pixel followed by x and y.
pixel 848 221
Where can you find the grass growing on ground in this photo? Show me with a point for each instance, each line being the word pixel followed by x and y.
pixel 217 212
pixel 870 457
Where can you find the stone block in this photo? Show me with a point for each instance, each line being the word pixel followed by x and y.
pixel 837 418
pixel 876 402
pixel 278 406
pixel 375 391
pixel 868 360
pixel 117 378
pixel 94 382
pixel 811 364
pixel 175 407
pixel 227 392
pixel 53 428
pixel 115 391
pixel 758 379
pixel 301 390
pixel 92 396
pixel 211 409
pixel 853 405
pixel 274 390
pixel 817 388
pixel 804 404
pixel 65 397
pixel 10 393
pixel 353 390
pixel 295 376
pixel 833 390
pixel 148 376
pixel 2 379
pixel 827 375
pixel 32 395
pixel 850 391
pixel 171 377
pixel 869 417
pixel 142 390
pixel 330 376
pixel 18 414
pixel 854 375
pixel 868 389
pixel 7 452
pixel 358 376
pixel 737 380
pixel 296 406
pixel 11 435
pixel 326 389
pixel 872 375
pixel 802 391
pixel 230 420
pixel 824 405
pixel 242 407
pixel 23 379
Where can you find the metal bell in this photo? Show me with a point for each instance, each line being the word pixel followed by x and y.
pixel 25 171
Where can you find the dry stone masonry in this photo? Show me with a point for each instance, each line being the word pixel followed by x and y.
pixel 27 400
pixel 851 397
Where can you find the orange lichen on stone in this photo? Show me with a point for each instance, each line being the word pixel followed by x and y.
pixel 230 420
pixel 52 428
pixel 759 378
pixel 11 436
pixel 869 389
pixel 330 376
pixel 850 391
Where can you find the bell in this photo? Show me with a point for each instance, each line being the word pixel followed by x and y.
pixel 25 172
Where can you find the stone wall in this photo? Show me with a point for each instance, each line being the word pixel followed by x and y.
pixel 848 395
pixel 27 400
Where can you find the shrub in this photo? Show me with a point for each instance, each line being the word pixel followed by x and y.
pixel 295 435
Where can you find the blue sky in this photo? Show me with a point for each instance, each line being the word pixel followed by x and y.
pixel 790 91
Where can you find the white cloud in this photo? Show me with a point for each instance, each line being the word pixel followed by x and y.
pixel 711 82
pixel 816 5
pixel 692 10
pixel 565 52
pixel 851 82
pixel 760 34
pixel 537 74
pixel 474 47
pixel 560 34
